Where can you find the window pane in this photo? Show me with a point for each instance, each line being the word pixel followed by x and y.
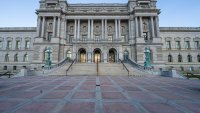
pixel 1 44
pixel 27 46
pixel 187 45
pixel 18 44
pixel 168 45
pixel 9 45
pixel 196 44
pixel 178 46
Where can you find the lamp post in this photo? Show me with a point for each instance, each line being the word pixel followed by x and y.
pixel 48 60
pixel 147 63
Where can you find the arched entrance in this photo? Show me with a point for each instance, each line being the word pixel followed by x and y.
pixel 97 55
pixel 112 55
pixel 126 55
pixel 82 55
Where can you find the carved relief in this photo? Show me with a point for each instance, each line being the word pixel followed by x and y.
pixel 84 28
pixel 97 28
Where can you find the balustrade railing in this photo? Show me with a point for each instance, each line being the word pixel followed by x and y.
pixel 63 62
pixel 124 66
pixel 137 66
pixel 70 67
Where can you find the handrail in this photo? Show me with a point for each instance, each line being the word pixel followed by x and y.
pixel 57 65
pixel 124 66
pixel 70 66
pixel 137 66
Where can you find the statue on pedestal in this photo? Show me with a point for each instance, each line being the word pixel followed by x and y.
pixel 147 63
pixel 48 60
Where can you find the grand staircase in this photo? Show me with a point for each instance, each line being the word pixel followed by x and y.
pixel 103 69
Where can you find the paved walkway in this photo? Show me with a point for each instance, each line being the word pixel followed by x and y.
pixel 91 94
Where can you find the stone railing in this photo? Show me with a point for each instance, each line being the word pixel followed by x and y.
pixel 61 63
pixel 139 67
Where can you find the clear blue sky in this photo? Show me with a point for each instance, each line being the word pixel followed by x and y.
pixel 174 13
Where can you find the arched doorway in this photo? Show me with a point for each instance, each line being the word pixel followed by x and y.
pixel 97 55
pixel 112 55
pixel 82 55
pixel 126 55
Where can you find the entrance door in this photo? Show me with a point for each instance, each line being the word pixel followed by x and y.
pixel 97 56
pixel 82 55
pixel 112 55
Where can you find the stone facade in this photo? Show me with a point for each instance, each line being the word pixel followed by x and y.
pixel 104 32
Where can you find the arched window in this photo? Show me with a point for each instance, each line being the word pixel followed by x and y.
pixel 170 59
pixel 179 58
pixel 46 53
pixel 7 58
pixel 68 55
pixel 16 58
pixel 26 58
pixel 189 57
pixel 198 58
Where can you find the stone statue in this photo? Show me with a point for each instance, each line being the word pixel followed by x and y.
pixel 144 26
pixel 147 57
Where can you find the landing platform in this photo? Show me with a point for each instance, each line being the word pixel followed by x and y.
pixel 106 94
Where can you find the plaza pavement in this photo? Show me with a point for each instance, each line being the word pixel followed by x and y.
pixel 91 94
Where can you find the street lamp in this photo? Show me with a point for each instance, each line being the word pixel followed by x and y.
pixel 147 63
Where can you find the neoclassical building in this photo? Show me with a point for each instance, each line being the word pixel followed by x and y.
pixel 103 32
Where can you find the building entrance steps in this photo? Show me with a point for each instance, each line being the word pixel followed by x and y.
pixel 113 69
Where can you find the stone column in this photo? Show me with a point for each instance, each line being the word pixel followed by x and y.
pixel 136 26
pixel 78 34
pixel 43 25
pixel 54 27
pixel 102 29
pixel 75 25
pixel 65 29
pixel 152 28
pixel 141 27
pixel 58 29
pixel 119 28
pixel 105 56
pixel 88 29
pixel 157 27
pixel 129 30
pixel 105 37
pixel 38 26
pixel 92 33
pixel 116 31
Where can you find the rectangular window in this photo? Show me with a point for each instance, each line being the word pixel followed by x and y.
pixel 9 45
pixel 123 38
pixel 1 44
pixel 84 38
pixel 71 37
pixel 18 44
pixel 50 34
pixel 178 45
pixel 5 68
pixel 27 44
pixel 145 35
pixel 168 45
pixel 110 38
pixel 14 67
pixel 196 45
pixel 97 38
pixel 187 45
